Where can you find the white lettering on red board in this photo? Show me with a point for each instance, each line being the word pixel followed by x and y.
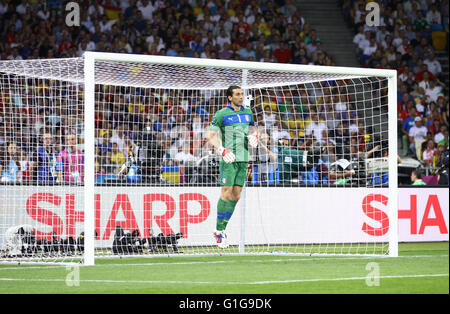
pixel 373 207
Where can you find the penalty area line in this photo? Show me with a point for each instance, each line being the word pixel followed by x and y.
pixel 222 283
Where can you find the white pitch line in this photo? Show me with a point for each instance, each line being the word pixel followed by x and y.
pixel 115 265
pixel 227 282
pixel 303 259
pixel 344 279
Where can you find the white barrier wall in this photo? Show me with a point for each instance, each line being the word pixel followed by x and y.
pixel 276 215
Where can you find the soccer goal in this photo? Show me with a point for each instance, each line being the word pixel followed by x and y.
pixel 107 155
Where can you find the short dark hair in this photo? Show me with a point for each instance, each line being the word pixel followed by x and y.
pixel 231 89
pixel 418 173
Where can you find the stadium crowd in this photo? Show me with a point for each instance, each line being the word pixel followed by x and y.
pixel 265 31
pixel 407 38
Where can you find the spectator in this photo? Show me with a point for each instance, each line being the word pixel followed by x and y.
pixel 24 175
pixel 435 125
pixel 416 177
pixel 417 135
pixel 404 102
pixel 173 50
pixel 434 66
pixel 44 160
pixel 10 166
pixel 359 36
pixel 3 7
pixel 408 123
pixel 342 139
pixel 424 83
pixel 223 38
pixel 226 52
pixel 368 51
pixel 363 43
pixel 269 117
pixel 283 54
pixel 247 52
pixel 420 22
pixel 184 155
pixel 186 34
pixel 315 128
pixel 117 157
pixel 445 140
pixel 441 164
pixel 429 153
pixel 240 42
pixel 434 16
pixel 439 136
pixel 147 9
pixel 105 145
pixel 360 13
pixel 434 91
pixel 425 142
pixel 70 163
pixel 118 136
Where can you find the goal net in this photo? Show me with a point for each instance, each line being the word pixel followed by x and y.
pixel 108 155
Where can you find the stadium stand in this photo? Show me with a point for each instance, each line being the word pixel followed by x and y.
pixel 411 36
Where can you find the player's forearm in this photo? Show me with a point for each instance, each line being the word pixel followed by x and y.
pixel 211 137
pixel 227 155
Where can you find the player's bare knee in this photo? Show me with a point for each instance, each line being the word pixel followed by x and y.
pixel 236 195
pixel 227 193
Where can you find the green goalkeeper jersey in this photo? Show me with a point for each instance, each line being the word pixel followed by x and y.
pixel 233 127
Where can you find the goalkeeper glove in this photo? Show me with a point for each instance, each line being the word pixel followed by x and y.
pixel 253 139
pixel 227 155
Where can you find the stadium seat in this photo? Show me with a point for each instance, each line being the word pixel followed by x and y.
pixel 439 40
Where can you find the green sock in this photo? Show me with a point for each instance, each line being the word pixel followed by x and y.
pixel 222 208
pixel 231 205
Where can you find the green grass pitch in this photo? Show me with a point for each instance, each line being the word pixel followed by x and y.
pixel 420 268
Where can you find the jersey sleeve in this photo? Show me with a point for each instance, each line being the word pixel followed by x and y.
pixel 216 122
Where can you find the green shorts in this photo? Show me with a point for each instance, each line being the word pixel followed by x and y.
pixel 233 174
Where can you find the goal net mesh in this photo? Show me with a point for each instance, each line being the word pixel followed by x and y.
pixel 323 138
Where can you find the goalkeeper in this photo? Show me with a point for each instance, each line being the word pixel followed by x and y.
pixel 235 125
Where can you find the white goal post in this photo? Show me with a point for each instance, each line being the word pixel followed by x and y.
pixel 189 78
